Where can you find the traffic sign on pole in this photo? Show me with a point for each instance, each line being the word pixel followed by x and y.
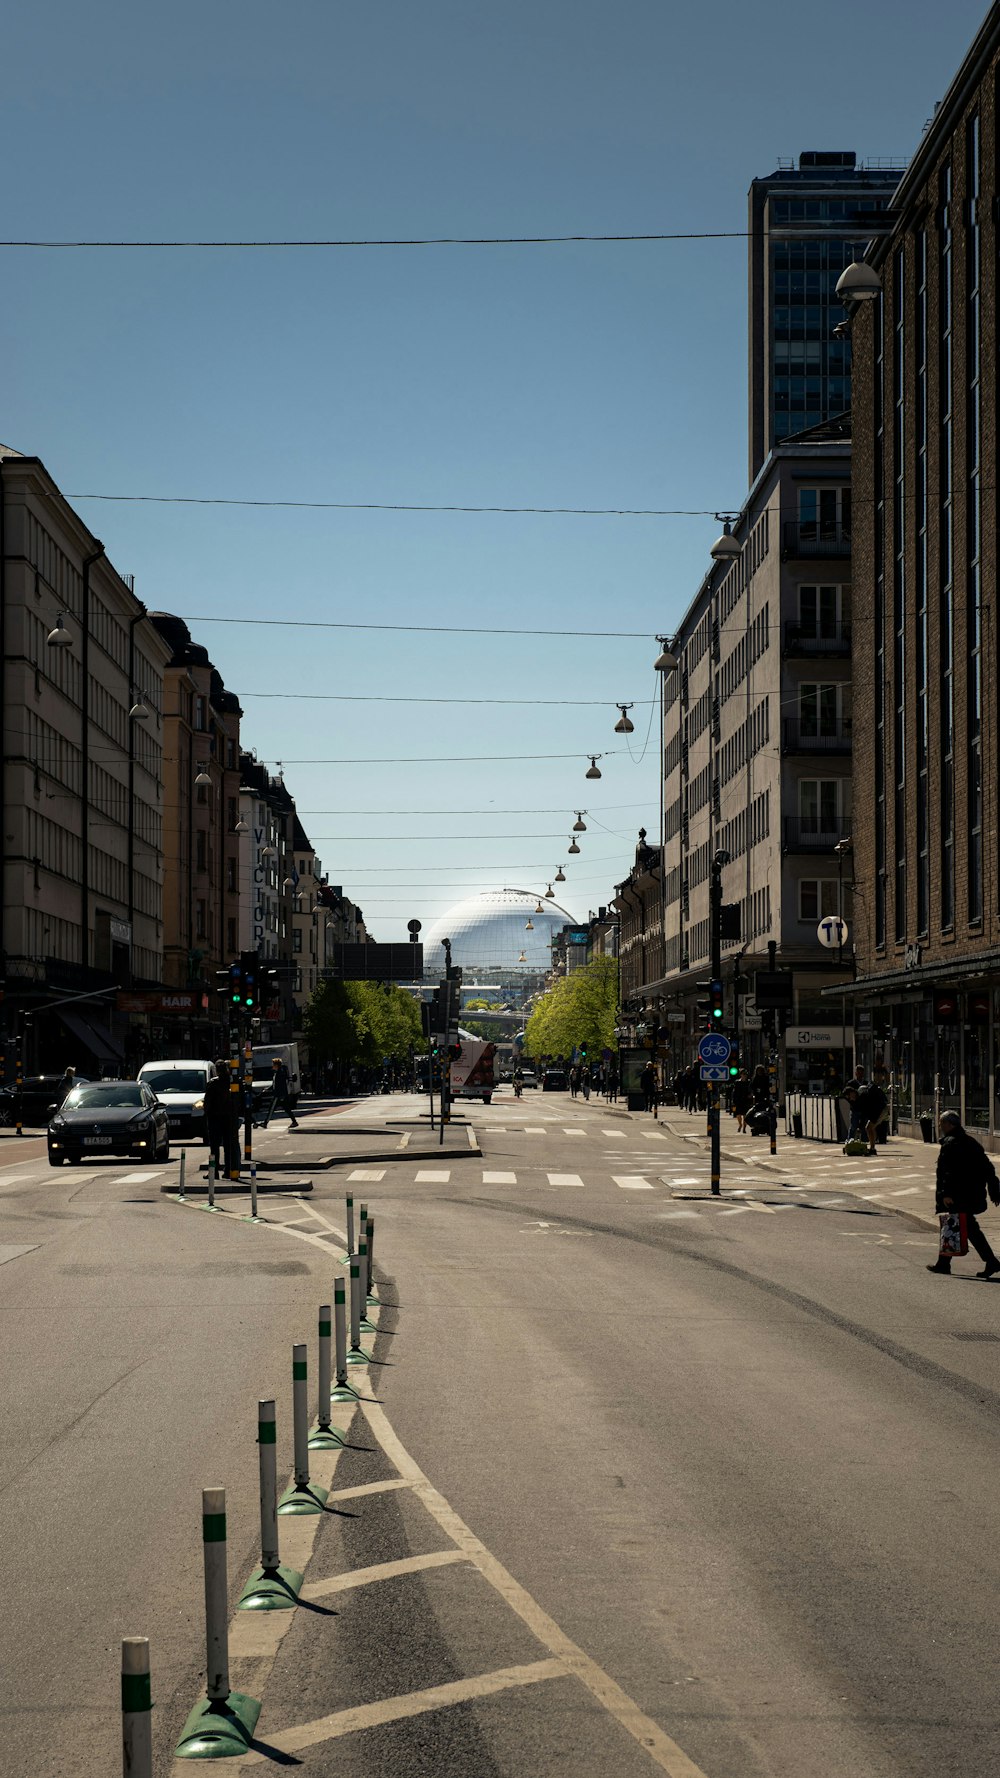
pixel 714 1071
pixel 714 1047
pixel 832 932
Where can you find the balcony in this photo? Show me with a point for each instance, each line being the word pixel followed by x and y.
pixel 807 642
pixel 799 736
pixel 814 541
pixel 815 833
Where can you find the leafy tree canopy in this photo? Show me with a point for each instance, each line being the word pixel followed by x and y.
pixel 361 1022
pixel 579 1010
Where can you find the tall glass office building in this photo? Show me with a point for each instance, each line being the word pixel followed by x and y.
pixel 806 223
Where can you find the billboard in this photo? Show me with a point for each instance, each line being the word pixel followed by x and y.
pixel 375 963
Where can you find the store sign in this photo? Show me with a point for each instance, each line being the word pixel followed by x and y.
pixel 945 1009
pixel 164 1001
pixel 816 1037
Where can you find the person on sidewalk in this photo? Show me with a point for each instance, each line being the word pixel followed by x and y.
pixel 872 1106
pixel 741 1099
pixel 611 1085
pixel 965 1174
pixel 221 1112
pixel 647 1082
pixel 282 1100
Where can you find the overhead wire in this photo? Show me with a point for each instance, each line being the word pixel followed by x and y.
pixel 726 234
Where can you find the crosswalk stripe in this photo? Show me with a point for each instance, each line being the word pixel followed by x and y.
pixel 534 1129
pixel 428 1176
pixel 564 1179
pixel 614 1135
pixel 371 1175
pixel 499 1178
pixel 136 1178
pixel 580 1133
pixel 652 1136
pixel 632 1182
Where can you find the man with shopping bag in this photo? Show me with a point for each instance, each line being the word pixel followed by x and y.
pixel 965 1174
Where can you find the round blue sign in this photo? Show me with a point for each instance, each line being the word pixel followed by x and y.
pixel 714 1047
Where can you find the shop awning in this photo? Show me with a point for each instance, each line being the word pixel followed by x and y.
pixel 97 1039
pixel 948 972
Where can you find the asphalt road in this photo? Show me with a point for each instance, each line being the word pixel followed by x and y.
pixel 740 1454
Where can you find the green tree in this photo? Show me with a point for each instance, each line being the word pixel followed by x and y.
pixel 578 1011
pixel 360 1022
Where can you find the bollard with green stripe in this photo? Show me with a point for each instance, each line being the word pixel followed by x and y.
pixel 325 1437
pixel 137 1707
pixel 222 1725
pixel 272 1586
pixel 301 1496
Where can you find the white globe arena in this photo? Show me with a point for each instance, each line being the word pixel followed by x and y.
pixel 489 931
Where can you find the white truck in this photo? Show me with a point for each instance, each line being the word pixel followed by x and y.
pixel 473 1070
pixel 264 1056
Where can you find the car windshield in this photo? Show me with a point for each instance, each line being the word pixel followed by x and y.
pixel 176 1080
pixel 118 1095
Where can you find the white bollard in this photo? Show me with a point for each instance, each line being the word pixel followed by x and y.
pixel 211 1183
pixel 363 1281
pixel 253 1188
pixel 137 1707
pixel 180 1188
pixel 324 1368
pixel 355 1304
pixel 267 1457
pixel 350 1226
pixel 369 1243
pixel 300 1416
pixel 340 1330
pixel 213 1532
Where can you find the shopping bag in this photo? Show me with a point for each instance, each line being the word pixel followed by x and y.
pixel 954 1236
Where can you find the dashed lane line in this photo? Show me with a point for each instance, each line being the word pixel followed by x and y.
pixel 429 1176
pixel 367 1175
pixel 499 1178
pixel 564 1178
pixel 632 1182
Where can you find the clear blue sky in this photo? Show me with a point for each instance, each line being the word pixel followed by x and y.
pixel 585 375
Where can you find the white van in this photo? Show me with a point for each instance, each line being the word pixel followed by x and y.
pixel 264 1057
pixel 180 1087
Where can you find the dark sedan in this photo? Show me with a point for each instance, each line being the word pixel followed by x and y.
pixel 115 1117
pixel 37 1093
pixel 555 1080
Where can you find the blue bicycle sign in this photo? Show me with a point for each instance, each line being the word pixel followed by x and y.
pixel 714 1048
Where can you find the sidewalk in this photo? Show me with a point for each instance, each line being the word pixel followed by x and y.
pixel 900 1177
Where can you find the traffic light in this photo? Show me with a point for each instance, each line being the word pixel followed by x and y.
pixel 235 984
pixel 248 970
pixel 715 1006
pixel 583 1052
pixel 702 1007
pixel 734 1057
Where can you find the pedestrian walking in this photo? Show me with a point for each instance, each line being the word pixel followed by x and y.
pixel 741 1100
pixel 585 1081
pixel 574 1081
pixel 611 1085
pixel 283 1099
pixel 965 1175
pixel 647 1082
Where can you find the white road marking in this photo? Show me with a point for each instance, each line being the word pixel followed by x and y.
pixel 632 1182
pixel 404 1140
pixel 13 1252
pixel 740 1210
pixel 499 1178
pixel 675 1215
pixel 564 1179
pixel 428 1176
pixel 580 1133
pixel 614 1135
pixel 470 1132
pixel 362 1577
pixel 370 1174
pixel 686 1181
pixel 137 1178
pixel 908 1191
pixel 652 1136
pixel 534 1129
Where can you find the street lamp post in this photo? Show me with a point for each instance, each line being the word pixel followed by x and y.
pixel 840 848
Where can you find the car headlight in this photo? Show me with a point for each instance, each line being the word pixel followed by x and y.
pixel 57 1123
pixel 199 1105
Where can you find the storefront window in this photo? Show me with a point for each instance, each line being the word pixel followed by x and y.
pixel 923 1056
pixel 977 1061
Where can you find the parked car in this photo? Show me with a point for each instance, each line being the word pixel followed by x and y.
pixel 180 1086
pixel 109 1117
pixel 528 1078
pixel 38 1092
pixel 555 1080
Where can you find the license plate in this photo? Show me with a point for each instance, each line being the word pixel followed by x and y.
pixel 97 1141
pixel 175 1122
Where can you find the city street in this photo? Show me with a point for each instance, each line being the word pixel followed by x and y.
pixel 724 1451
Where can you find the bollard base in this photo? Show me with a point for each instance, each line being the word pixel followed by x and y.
pixel 325 1438
pixel 367 1327
pixel 359 1357
pixel 299 1501
pixel 219 1728
pixel 344 1392
pixel 271 1589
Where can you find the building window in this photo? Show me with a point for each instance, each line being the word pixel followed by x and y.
pixel 231 940
pixel 820 710
pixel 821 804
pixel 199 713
pixel 824 514
pixel 201 919
pixel 232 877
pixel 820 612
pixel 201 851
pixel 297 939
pixel 819 898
